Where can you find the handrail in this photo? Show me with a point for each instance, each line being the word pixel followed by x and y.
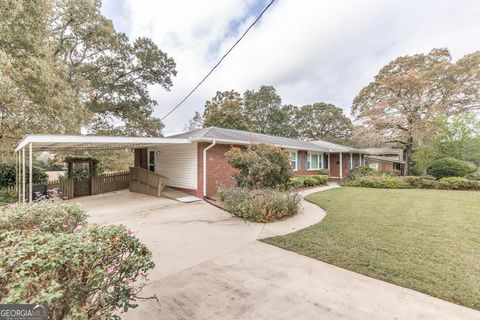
pixel 146 181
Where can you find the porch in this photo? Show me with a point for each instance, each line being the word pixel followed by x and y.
pixel 137 179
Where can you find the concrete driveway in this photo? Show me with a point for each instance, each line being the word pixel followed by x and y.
pixel 210 266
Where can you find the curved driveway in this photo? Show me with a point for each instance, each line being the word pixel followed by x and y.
pixel 210 266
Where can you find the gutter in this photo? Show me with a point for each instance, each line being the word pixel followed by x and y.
pixel 205 167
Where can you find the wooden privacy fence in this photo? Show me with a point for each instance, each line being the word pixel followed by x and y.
pixel 109 182
pixel 146 182
pixel 77 187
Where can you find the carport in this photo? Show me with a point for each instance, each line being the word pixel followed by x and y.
pixel 37 143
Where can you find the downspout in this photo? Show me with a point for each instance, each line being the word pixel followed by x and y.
pixel 205 167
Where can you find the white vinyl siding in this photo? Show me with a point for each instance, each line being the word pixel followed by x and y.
pixel 178 162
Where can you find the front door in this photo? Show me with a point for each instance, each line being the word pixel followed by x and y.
pixel 151 160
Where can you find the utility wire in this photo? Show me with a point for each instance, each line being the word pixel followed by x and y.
pixel 219 61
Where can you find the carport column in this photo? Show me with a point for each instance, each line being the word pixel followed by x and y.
pixel 351 161
pixel 23 174
pixel 30 173
pixel 341 165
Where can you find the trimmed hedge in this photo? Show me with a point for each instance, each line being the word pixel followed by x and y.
pixel 386 182
pixel 423 182
pixel 307 181
pixel 259 205
pixel 449 167
pixel 457 183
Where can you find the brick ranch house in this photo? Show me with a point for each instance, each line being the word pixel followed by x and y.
pixel 200 167
pixel 194 162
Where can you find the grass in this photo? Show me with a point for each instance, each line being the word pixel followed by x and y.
pixel 426 240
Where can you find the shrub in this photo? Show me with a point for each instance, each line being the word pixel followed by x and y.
pixel 310 181
pixel 7 196
pixel 296 182
pixel 260 205
pixel 457 183
pixel 448 167
pixel 362 171
pixel 8 173
pixel 422 182
pixel 324 172
pixel 307 181
pixel 43 216
pixel 320 179
pixel 386 182
pixel 260 166
pixel 87 274
pixel 473 176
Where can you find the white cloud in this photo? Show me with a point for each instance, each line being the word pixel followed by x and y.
pixel 309 50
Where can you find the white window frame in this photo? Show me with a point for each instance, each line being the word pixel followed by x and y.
pixel 373 165
pixel 290 153
pixel 319 161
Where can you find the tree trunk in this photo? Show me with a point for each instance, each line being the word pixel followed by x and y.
pixel 408 156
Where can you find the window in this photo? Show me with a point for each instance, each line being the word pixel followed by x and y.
pixel 151 161
pixel 373 165
pixel 314 161
pixel 293 159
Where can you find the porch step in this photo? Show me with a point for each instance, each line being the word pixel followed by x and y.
pixel 178 195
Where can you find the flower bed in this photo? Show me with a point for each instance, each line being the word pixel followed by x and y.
pixel 259 205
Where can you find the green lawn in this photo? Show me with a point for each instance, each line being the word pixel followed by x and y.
pixel 427 240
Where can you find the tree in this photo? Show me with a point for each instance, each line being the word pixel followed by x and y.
pixel 35 93
pixel 322 121
pixel 407 94
pixel 260 166
pixel 457 137
pixel 108 73
pixel 225 110
pixel 265 112
pixel 63 67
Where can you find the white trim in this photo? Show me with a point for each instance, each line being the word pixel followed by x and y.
pixel 296 158
pixel 341 165
pixel 68 142
pixel 241 142
pixel 351 161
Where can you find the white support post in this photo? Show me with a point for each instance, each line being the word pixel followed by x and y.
pixel 341 165
pixel 30 174
pixel 329 163
pixel 23 174
pixel 351 161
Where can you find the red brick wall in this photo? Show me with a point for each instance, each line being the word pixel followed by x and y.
pixel 219 172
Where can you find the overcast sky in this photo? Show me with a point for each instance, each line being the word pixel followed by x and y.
pixel 309 50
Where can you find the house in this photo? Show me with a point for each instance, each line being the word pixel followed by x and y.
pixel 194 162
pixel 200 167
pixel 385 159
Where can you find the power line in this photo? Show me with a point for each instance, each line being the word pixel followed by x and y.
pixel 219 61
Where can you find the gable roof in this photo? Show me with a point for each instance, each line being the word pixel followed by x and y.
pixel 233 136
